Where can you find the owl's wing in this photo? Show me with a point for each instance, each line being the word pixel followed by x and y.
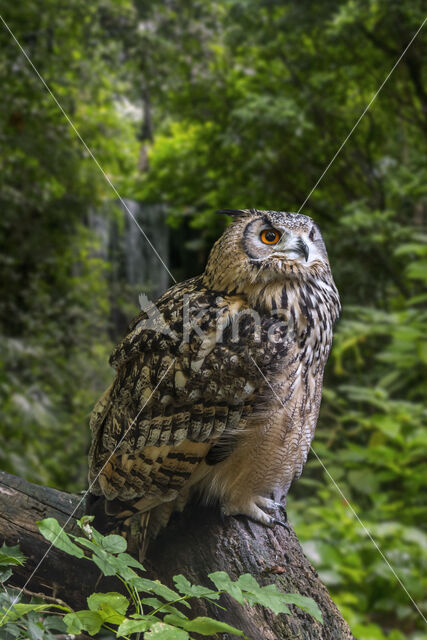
pixel 176 392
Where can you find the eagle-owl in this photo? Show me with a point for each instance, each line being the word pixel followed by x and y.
pixel 218 383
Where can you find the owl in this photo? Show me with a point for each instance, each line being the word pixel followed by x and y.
pixel 218 382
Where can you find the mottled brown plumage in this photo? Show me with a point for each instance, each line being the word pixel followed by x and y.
pixel 218 385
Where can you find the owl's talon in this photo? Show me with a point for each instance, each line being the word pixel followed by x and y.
pixel 283 523
pixel 272 505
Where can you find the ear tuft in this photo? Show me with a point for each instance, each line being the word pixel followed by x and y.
pixel 236 212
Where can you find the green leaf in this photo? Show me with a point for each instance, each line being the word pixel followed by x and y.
pixel 154 603
pixel 5 574
pixel 304 603
pixel 268 596
pixel 185 587
pixel 114 543
pixel 104 561
pixel 203 625
pixel 132 626
pixel 77 621
pixel 11 555
pixel 18 610
pixel 161 631
pixel 52 531
pixel 110 615
pixel 223 582
pixel 87 543
pixel 248 583
pixel 109 562
pixel 154 586
pixel 85 520
pixel 129 561
pixel 116 601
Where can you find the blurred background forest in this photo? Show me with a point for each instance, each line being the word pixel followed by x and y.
pixel 194 106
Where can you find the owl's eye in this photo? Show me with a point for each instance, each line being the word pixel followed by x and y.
pixel 270 236
pixel 312 232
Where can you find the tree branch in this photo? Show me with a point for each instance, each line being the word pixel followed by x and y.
pixel 195 543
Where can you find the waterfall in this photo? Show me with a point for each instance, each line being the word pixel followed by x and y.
pixel 134 267
pixel 142 266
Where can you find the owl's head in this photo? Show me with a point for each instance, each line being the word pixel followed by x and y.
pixel 260 247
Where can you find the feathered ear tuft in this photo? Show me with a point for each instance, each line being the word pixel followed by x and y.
pixel 236 212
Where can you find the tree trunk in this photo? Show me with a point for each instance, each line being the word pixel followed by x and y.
pixel 195 543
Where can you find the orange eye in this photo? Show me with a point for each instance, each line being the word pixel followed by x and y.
pixel 270 236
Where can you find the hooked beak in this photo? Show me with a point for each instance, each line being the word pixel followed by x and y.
pixel 292 244
pixel 303 248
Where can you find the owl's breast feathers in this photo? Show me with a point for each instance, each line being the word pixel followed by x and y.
pixel 190 374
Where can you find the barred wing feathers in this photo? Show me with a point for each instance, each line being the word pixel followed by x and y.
pixel 174 396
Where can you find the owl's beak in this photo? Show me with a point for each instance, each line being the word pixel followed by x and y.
pixel 303 248
pixel 290 243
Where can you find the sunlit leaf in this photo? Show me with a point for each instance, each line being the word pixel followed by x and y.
pixel 116 601
pixel 85 620
pixel 161 631
pixel 222 581
pixel 52 531
pixel 203 625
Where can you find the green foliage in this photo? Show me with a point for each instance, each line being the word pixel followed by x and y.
pixel 150 607
pixel 54 295
pixel 250 102
pixel 23 621
pixel 275 89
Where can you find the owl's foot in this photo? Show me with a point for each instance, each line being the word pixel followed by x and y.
pixel 253 511
pixel 271 505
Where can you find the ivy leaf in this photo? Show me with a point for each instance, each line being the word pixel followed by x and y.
pixel 186 588
pixel 223 582
pixel 132 626
pixel 162 631
pixel 52 531
pixel 116 601
pixel 304 603
pixel 11 555
pixel 114 543
pixel 203 625
pixel 77 621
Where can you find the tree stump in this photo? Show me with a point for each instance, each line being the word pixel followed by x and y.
pixel 195 543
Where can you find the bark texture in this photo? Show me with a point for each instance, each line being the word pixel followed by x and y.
pixel 195 543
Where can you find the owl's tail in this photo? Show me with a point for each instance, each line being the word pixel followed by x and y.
pixel 135 529
pixel 138 527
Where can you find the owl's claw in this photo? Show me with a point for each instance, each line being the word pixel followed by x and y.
pixel 283 523
pixel 271 505
pixel 255 513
